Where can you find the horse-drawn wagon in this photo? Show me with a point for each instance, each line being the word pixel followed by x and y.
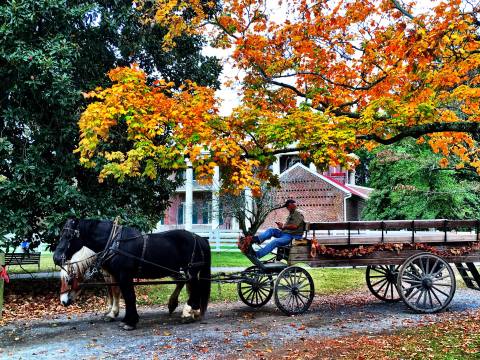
pixel 405 260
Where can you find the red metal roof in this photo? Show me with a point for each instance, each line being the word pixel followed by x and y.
pixel 346 187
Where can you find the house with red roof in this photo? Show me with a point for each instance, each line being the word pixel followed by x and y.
pixel 321 197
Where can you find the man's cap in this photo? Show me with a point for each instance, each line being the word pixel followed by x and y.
pixel 289 201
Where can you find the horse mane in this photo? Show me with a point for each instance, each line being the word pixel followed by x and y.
pixel 79 263
pixel 88 226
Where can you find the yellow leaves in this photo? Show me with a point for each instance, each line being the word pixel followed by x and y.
pixel 145 113
pixel 356 76
pixel 114 156
pixel 178 17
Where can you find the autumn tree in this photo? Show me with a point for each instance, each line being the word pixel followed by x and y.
pixel 327 77
pixel 50 52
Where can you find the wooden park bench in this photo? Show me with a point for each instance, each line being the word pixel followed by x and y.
pixel 23 259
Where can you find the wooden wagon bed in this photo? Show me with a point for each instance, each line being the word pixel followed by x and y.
pixel 445 236
pixel 301 254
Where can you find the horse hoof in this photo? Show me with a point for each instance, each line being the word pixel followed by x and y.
pixel 108 319
pixel 128 327
pixel 187 320
pixel 122 324
pixel 171 309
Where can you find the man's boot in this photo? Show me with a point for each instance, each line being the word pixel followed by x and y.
pixel 244 243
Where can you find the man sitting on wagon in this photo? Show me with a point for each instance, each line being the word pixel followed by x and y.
pixel 283 234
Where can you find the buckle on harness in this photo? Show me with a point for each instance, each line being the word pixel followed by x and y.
pixel 90 273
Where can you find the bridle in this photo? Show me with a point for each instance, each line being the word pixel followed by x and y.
pixel 70 279
pixel 71 234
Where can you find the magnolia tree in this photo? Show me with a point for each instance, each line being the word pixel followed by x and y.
pixel 328 77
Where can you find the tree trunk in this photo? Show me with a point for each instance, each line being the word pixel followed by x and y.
pixel 2 263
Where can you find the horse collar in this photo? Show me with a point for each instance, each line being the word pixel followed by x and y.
pixel 109 251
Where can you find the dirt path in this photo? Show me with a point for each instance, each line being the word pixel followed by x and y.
pixel 230 330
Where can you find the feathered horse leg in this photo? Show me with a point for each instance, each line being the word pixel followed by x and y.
pixel 113 297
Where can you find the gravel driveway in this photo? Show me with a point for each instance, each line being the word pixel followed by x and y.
pixel 230 330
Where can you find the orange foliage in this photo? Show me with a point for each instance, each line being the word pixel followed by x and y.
pixel 318 75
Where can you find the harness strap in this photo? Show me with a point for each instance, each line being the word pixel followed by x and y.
pixel 127 254
pixel 145 239
pixel 198 263
pixel 105 254
pixel 113 247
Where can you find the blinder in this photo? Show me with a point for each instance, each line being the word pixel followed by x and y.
pixel 68 234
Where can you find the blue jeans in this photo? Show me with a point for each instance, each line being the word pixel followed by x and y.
pixel 280 239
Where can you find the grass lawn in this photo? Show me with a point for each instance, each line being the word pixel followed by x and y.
pixel 46 265
pixel 230 259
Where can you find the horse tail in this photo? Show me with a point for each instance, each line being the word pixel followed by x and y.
pixel 204 276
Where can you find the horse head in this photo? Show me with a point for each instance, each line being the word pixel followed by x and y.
pixel 73 273
pixel 69 242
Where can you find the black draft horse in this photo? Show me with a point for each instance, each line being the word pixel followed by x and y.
pixel 178 253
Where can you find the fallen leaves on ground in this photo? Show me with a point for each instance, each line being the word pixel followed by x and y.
pixel 31 307
pixel 455 336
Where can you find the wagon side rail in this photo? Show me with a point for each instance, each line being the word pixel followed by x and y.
pixel 393 231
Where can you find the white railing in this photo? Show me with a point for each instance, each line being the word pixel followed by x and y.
pixel 221 240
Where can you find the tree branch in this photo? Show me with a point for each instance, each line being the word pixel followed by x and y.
pixel 278 83
pixel 327 80
pixel 420 130
pixel 401 9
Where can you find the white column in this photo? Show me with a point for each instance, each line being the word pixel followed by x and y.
pixel 351 175
pixel 234 223
pixel 248 205
pixel 312 167
pixel 276 165
pixel 216 198
pixel 188 198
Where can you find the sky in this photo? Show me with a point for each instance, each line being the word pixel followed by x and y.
pixel 229 96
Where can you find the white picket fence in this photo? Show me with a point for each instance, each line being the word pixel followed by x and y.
pixel 221 240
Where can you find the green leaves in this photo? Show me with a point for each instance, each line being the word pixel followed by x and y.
pixel 50 53
pixel 410 184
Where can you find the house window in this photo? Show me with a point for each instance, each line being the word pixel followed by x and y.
pixel 207 212
pixel 287 161
pixel 181 213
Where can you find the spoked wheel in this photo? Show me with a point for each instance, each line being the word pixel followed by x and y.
pixel 426 283
pixel 382 282
pixel 294 290
pixel 257 287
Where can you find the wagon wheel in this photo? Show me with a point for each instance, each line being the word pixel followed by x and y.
pixel 257 287
pixel 382 282
pixel 427 283
pixel 294 290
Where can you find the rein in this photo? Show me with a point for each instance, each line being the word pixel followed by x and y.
pixel 125 253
